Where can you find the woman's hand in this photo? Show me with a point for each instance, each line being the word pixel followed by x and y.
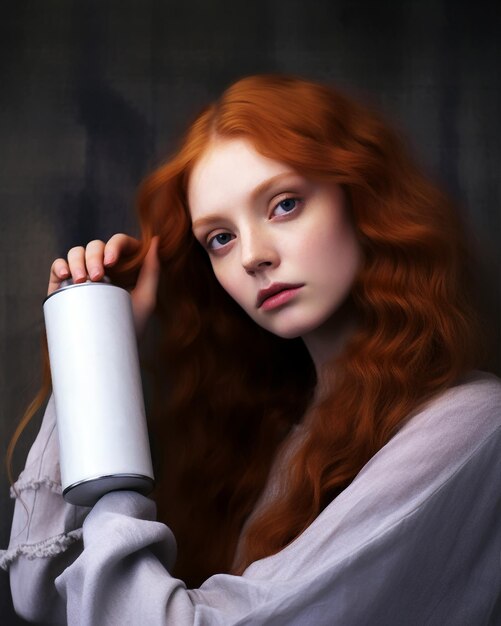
pixel 92 262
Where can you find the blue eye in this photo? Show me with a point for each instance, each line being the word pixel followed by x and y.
pixel 220 238
pixel 287 205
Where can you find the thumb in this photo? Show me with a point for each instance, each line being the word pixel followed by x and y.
pixel 144 294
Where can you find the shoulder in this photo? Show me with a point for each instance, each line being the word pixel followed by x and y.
pixel 425 507
pixel 477 393
pixel 446 432
pixel 446 452
pixel 443 462
pixel 460 418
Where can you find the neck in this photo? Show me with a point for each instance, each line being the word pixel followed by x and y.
pixel 328 340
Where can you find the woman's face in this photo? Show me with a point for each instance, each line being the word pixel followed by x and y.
pixel 266 226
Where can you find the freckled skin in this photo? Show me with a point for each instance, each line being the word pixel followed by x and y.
pixel 314 244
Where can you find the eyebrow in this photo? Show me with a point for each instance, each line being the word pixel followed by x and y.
pixel 258 191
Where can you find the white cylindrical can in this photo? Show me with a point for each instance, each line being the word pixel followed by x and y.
pixel 96 381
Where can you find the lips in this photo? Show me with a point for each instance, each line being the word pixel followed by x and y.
pixel 272 290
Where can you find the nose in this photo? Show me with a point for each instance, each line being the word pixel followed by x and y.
pixel 258 252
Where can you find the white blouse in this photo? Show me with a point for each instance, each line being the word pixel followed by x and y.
pixel 414 540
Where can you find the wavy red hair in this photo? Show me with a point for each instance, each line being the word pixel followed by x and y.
pixel 415 336
pixel 228 392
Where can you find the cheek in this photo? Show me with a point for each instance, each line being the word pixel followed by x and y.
pixel 333 254
pixel 231 281
pixel 347 253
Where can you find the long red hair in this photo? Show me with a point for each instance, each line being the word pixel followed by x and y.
pixel 228 393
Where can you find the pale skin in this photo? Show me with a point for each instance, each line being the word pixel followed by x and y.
pixel 287 229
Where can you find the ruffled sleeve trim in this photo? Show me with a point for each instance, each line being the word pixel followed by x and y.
pixel 35 484
pixel 44 525
pixel 46 548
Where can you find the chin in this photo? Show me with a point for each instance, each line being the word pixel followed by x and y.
pixel 286 334
pixel 292 328
pixel 290 331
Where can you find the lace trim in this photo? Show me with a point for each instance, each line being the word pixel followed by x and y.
pixel 33 484
pixel 42 549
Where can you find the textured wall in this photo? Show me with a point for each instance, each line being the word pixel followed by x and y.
pixel 94 93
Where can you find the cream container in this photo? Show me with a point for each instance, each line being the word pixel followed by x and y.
pixel 96 381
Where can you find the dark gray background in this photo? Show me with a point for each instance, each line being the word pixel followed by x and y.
pixel 94 93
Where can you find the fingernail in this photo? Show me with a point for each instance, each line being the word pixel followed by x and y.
pixel 108 258
pixel 94 273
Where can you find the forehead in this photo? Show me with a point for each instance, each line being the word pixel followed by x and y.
pixel 227 173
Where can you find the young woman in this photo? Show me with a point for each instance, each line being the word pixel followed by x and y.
pixel 325 452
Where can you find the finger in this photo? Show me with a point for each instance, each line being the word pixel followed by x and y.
pixel 147 280
pixel 58 272
pixel 117 246
pixel 76 263
pixel 94 254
